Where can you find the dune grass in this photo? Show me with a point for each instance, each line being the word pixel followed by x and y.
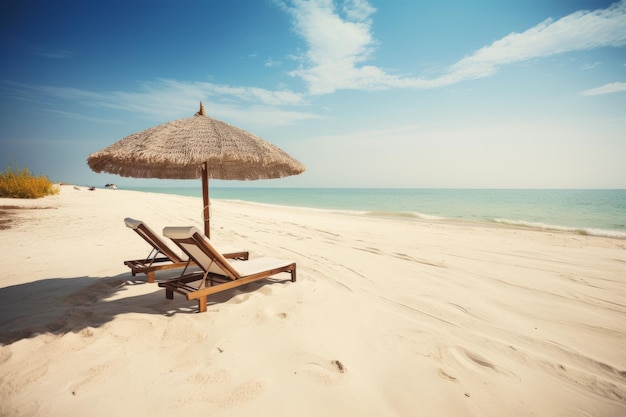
pixel 16 183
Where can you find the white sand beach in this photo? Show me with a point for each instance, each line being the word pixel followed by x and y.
pixel 388 317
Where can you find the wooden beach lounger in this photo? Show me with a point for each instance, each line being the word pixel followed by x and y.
pixel 219 273
pixel 153 262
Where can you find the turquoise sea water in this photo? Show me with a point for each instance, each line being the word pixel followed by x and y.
pixel 593 212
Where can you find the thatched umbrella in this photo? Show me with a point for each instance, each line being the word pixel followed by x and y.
pixel 195 147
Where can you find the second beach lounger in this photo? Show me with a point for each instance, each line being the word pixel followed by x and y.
pixel 219 274
pixel 169 259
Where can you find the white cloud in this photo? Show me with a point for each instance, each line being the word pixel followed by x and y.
pixel 336 44
pixel 606 89
pixel 340 44
pixel 358 10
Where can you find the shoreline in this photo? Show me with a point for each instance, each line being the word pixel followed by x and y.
pixel 10 206
pixel 387 315
pixel 513 220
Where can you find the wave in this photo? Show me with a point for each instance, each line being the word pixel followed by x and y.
pixel 587 231
pixel 612 226
pixel 412 215
pixel 401 214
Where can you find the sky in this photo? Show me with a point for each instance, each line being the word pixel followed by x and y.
pixel 379 93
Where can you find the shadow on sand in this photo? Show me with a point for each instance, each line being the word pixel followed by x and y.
pixel 64 305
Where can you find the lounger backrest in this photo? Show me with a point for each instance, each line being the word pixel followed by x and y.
pixel 152 238
pixel 200 250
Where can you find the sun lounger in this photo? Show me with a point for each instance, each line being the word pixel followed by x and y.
pixel 169 259
pixel 218 273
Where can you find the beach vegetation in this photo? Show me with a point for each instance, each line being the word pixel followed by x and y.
pixel 21 183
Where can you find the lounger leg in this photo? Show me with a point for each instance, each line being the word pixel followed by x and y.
pixel 293 275
pixel 202 304
pixel 151 277
pixel 169 294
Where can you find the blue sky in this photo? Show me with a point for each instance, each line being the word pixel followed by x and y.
pixel 401 93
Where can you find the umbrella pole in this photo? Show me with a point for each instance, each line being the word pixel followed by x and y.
pixel 205 200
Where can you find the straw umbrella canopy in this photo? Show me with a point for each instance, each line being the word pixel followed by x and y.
pixel 195 147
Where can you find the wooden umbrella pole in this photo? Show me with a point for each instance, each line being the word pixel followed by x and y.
pixel 205 200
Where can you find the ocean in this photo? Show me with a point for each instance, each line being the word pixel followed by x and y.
pixel 590 212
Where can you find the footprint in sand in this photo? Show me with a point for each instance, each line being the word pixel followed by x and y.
pixel 15 381
pixel 92 376
pixel 222 395
pixel 468 360
pixel 443 374
pixel 268 314
pixel 240 298
pixel 212 378
pixel 327 372
pixel 242 394
pixel 93 292
pixel 265 290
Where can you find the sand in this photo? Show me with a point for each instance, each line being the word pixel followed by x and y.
pixel 389 317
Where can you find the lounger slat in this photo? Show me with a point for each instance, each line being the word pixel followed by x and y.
pixel 201 251
pixel 197 293
pixel 169 260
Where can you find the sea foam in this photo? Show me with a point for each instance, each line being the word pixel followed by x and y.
pixel 578 230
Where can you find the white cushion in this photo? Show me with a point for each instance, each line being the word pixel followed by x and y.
pixel 184 232
pixel 132 223
pixel 243 268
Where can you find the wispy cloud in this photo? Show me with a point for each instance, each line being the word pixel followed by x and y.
pixel 79 116
pixel 606 89
pixel 578 31
pixel 339 45
pixel 590 66
pixel 254 106
pixel 253 94
pixel 340 41
pixel 272 63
